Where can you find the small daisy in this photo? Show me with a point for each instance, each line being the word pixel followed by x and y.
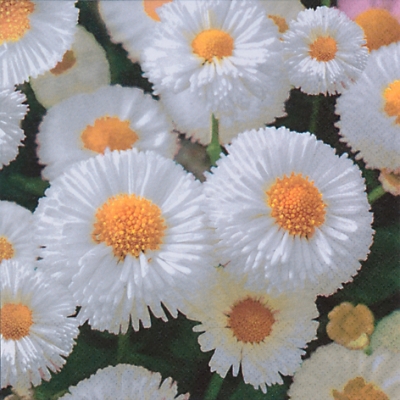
pixel 282 12
pixel 12 112
pixel 380 20
pixel 387 333
pixel 113 117
pixel 125 381
pixel 16 237
pixel 34 35
pixel 260 332
pixel 128 230
pixel 373 127
pixel 36 333
pixel 324 51
pixel 288 210
pixel 220 57
pixel 83 69
pixel 336 373
pixel 131 23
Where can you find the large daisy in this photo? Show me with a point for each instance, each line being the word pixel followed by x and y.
pixel 336 373
pixel 288 210
pixel 220 57
pixel 131 23
pixel 16 233
pixel 127 229
pixel 83 69
pixel 113 117
pixel 36 331
pixel 125 381
pixel 372 128
pixel 324 51
pixel 263 333
pixel 34 35
pixel 12 112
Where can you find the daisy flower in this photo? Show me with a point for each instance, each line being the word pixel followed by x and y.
pixel 390 181
pixel 260 332
pixel 16 237
pixel 220 57
pixel 125 381
pixel 12 112
pixel 34 35
pixel 387 333
pixel 131 23
pixel 336 373
pixel 324 51
pixel 83 69
pixel 379 19
pixel 288 210
pixel 372 128
pixel 128 230
pixel 113 117
pixel 36 333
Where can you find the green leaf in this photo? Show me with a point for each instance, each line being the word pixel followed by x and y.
pixel 274 392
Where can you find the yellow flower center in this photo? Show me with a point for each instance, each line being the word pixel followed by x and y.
pixel 108 132
pixel 250 320
pixel 213 43
pixel 323 49
pixel 14 19
pixel 392 100
pixel 280 22
pixel 129 224
pixel 65 64
pixel 296 204
pixel 358 389
pixel 380 27
pixel 350 326
pixel 390 181
pixel 150 7
pixel 6 249
pixel 16 320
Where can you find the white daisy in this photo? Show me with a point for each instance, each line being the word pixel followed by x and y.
pixel 127 229
pixel 324 51
pixel 113 117
pixel 221 57
pixel 260 332
pixel 36 331
pixel 34 36
pixel 83 69
pixel 12 112
pixel 16 237
pixel 336 373
pixel 287 209
pixel 131 23
pixel 370 111
pixel 125 381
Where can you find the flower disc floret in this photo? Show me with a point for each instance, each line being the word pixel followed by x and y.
pixel 357 389
pixel 324 48
pixel 392 100
pixel 130 225
pixel 67 62
pixel 6 249
pixel 213 43
pixel 150 7
pixel 15 321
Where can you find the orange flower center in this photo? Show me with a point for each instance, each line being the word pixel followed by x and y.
pixel 392 100
pixel 213 43
pixel 150 7
pixel 6 249
pixel 65 64
pixel 323 49
pixel 358 389
pixel 280 22
pixel 108 132
pixel 14 19
pixel 350 326
pixel 129 224
pixel 380 27
pixel 250 321
pixel 16 320
pixel 296 204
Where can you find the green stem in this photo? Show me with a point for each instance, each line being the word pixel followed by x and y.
pixel 376 194
pixel 123 345
pixel 214 148
pixel 214 387
pixel 316 101
pixel 326 3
